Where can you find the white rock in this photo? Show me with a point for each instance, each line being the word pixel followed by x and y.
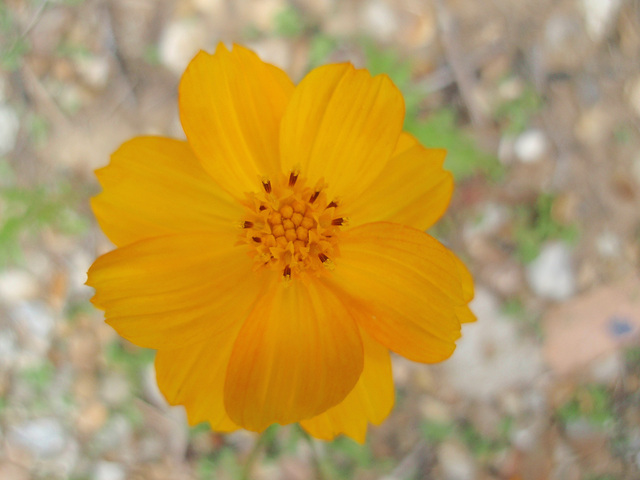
pixel 489 219
pixel 491 358
pixel 531 146
pixel 599 16
pixel 456 462
pixel 16 286
pixel 94 69
pixel 109 471
pixel 36 321
pixel 379 19
pixel 9 126
pixel 551 275
pixel 179 43
pixel 608 244
pixel 42 437
pixel 116 435
pixel 115 390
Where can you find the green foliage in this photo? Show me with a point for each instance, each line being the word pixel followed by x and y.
pixel 13 46
pixel 38 128
pixel 534 226
pixel 320 48
pixel 591 403
pixel 515 115
pixel 223 460
pixel 436 432
pixel 25 211
pixel 67 49
pixel 151 55
pixel 439 129
pixel 632 357
pixel 288 22
pixel 39 377
pixel 480 445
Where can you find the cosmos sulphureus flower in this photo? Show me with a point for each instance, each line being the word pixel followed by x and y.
pixel 277 256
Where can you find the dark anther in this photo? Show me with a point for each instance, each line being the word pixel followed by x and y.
pixel 247 224
pixel 293 178
pixel 256 239
pixel 314 197
pixel 337 221
pixel 323 258
pixel 287 272
pixel 332 204
pixel 262 207
pixel 267 186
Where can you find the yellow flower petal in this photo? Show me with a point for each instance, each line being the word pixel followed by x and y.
pixel 405 288
pixel 194 376
pixel 167 292
pixel 341 125
pixel 231 105
pixel 155 186
pixel 370 401
pixel 298 354
pixel 465 315
pixel 413 189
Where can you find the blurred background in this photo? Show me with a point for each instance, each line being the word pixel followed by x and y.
pixel 538 104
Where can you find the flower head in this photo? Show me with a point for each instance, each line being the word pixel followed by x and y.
pixel 276 257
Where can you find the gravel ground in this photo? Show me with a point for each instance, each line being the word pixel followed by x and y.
pixel 538 104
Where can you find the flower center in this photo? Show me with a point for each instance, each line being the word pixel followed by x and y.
pixel 292 228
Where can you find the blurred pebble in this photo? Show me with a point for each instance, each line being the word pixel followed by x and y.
pixel 435 410
pixel 491 358
pixel 115 390
pixel 180 41
pixel 504 277
pixel 109 471
pixel 594 125
pixel 35 322
pixel 487 221
pixel 43 437
pixel 608 370
pixel 600 16
pixel 91 418
pixel 94 70
pixel 455 461
pixel 379 20
pixel 16 286
pixel 531 146
pixel 608 244
pixel 551 274
pixel 116 435
pixel 9 126
pixel 563 33
pixel 263 14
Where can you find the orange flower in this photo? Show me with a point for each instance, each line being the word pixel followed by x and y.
pixel 275 257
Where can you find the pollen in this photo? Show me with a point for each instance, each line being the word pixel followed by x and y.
pixel 292 228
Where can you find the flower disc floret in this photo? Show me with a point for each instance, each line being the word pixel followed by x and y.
pixel 292 228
